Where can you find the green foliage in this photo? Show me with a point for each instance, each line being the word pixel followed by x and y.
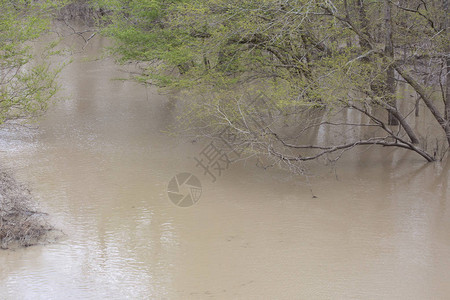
pixel 218 45
pixel 27 82
pixel 298 47
pixel 321 54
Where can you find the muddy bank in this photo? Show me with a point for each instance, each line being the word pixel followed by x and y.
pixel 21 224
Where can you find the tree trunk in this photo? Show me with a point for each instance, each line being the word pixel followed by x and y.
pixel 427 100
pixel 389 51
pixel 363 21
pixel 447 76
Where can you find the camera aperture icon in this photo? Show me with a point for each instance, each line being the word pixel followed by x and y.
pixel 184 190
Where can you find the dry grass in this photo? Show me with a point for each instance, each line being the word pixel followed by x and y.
pixel 20 223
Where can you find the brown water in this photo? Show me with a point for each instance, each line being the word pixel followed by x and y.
pixel 99 164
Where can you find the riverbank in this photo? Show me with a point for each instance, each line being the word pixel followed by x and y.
pixel 21 224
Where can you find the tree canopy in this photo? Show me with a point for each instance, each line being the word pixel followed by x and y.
pixel 312 61
pixel 27 81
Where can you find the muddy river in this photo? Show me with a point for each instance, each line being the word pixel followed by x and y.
pixel 100 162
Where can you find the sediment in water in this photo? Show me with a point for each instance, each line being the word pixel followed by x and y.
pixel 21 224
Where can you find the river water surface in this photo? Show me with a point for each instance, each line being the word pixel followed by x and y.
pixel 99 164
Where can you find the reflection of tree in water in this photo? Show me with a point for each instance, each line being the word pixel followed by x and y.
pixel 168 113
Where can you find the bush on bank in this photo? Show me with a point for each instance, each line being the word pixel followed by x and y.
pixel 20 222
